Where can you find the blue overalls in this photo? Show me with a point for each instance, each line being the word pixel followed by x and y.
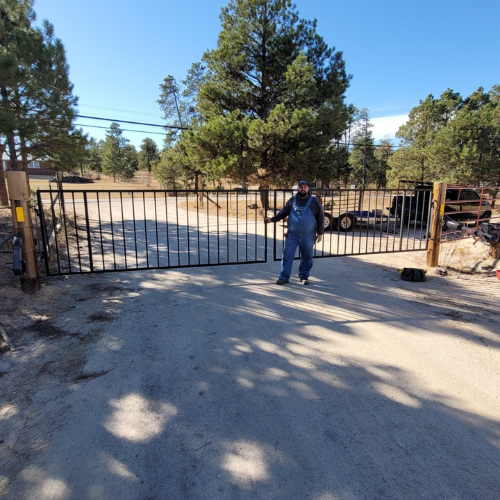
pixel 301 233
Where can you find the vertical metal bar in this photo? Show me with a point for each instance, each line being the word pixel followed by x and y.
pixel 428 222
pixel 344 232
pixel 208 229
pixel 66 234
pixel 265 225
pixel 375 220
pixel 123 231
pixel 218 236
pixel 256 244
pixel 145 228
pixel 227 226
pixel 100 230
pixel 198 230
pixel 55 232
pixel 381 224
pixel 359 205
pixel 178 237
pixel 275 250
pixel 112 230
pixel 368 212
pixel 44 233
pixel 246 226
pixel 187 225
pixel 156 224
pixel 89 242
pixel 76 232
pixel 135 232
pixel 403 210
pixel 422 212
pixel 166 224
pixel 331 227
pixel 237 228
pixel 415 221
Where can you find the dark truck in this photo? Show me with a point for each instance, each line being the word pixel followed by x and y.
pixel 462 204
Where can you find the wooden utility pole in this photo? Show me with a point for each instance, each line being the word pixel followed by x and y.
pixel 19 195
pixel 438 200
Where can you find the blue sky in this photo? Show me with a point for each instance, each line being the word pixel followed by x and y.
pixel 397 52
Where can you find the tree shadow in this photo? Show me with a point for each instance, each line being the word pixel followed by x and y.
pixel 223 385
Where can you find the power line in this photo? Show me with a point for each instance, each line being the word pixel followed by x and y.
pixel 132 123
pixel 186 128
pixel 122 129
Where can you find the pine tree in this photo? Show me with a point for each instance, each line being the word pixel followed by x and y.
pixel 148 154
pixel 115 158
pixel 271 97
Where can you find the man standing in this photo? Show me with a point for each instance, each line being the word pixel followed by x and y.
pixel 305 227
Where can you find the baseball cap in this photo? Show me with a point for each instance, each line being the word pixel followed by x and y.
pixel 303 181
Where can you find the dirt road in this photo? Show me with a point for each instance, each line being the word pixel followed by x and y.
pixel 216 383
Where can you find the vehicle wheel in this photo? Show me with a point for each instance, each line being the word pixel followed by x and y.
pixel 328 222
pixel 486 215
pixel 346 222
pixel 398 220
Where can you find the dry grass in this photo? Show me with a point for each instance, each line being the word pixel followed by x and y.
pixel 103 184
pixel 237 209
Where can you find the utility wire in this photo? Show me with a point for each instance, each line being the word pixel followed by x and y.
pixel 187 128
pixel 132 123
pixel 122 129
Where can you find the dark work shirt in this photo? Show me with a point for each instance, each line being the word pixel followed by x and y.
pixel 315 208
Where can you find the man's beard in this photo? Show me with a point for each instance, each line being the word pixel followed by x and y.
pixel 302 194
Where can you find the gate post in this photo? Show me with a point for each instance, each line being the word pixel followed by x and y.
pixel 19 195
pixel 438 200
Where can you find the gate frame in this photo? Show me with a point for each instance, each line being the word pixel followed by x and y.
pixel 357 197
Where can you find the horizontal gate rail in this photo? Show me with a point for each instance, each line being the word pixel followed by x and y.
pixel 87 231
pixel 361 222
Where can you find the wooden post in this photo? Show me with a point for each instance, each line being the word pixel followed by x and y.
pixel 438 200
pixel 19 195
pixel 495 251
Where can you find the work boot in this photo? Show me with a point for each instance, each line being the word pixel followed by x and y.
pixel 305 281
pixel 281 282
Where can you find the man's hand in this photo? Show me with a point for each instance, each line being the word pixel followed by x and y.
pixel 267 220
pixel 319 238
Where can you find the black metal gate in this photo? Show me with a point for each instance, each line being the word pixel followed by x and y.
pixel 86 231
pixel 365 221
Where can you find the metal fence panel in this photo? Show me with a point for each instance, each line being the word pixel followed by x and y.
pixel 365 221
pixel 100 231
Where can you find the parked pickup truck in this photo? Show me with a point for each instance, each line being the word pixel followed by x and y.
pixel 463 204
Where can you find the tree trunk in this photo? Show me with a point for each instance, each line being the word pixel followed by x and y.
pixel 12 152
pixel 24 154
pixel 4 199
pixel 10 135
pixel 264 195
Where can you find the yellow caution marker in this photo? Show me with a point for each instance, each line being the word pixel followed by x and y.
pixel 20 214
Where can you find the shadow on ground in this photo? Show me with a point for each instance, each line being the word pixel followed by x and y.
pixel 216 383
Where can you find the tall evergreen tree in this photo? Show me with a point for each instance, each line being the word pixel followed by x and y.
pixel 148 154
pixel 271 99
pixel 468 148
pixel 115 162
pixel 94 155
pixel 366 165
pixel 37 101
pixel 414 159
